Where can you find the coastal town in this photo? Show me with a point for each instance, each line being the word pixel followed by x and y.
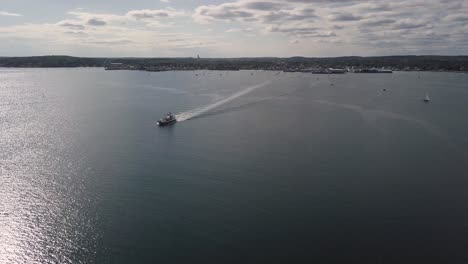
pixel 314 70
pixel 335 65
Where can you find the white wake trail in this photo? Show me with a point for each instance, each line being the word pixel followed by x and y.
pixel 198 111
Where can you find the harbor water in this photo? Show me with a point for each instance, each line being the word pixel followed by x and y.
pixel 264 167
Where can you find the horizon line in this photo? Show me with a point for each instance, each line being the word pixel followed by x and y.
pixel 241 57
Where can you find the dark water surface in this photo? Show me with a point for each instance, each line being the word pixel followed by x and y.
pixel 310 168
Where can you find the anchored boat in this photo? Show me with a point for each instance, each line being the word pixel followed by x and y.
pixel 167 120
pixel 426 98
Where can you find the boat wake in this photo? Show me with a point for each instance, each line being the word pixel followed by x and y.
pixel 371 116
pixel 202 110
pixel 235 108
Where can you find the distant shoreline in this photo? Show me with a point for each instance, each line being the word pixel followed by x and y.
pixel 175 70
pixel 292 64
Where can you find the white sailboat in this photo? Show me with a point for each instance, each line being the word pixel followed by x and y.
pixel 426 98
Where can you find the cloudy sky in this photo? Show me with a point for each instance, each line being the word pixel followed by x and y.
pixel 233 28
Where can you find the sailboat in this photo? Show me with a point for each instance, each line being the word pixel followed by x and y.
pixel 426 98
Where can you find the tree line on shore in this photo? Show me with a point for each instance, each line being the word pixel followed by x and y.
pixel 424 63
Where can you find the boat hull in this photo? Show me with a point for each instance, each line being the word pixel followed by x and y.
pixel 166 123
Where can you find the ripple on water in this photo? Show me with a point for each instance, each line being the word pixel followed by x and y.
pixel 43 208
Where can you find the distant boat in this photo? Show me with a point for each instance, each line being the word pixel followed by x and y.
pixel 385 71
pixel 427 99
pixel 336 71
pixel 373 70
pixel 167 120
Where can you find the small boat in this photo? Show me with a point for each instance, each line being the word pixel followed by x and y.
pixel 426 98
pixel 167 120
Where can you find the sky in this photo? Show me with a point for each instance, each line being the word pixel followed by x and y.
pixel 233 28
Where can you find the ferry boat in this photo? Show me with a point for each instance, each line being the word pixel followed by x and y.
pixel 167 120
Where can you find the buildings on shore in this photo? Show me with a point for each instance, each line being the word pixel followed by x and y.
pixel 119 66
pixel 292 64
pixel 228 67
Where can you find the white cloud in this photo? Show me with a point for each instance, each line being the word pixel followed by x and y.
pixel 364 24
pixel 4 13
pixel 294 41
pixel 235 30
pixel 136 30
pixel 457 18
pixel 155 13
pixel 347 27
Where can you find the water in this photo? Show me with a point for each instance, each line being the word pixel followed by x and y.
pixel 203 110
pixel 271 167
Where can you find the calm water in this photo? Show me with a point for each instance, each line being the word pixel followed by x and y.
pixel 292 167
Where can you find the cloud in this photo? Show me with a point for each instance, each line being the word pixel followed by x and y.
pixel 109 33
pixel 410 24
pixel 154 13
pixel 4 13
pixel 457 17
pixel 149 18
pixel 375 7
pixel 111 42
pixel 263 5
pixel 377 22
pixel 77 33
pixel 352 22
pixel 334 26
pixel 71 25
pixel 272 16
pixel 248 11
pixel 293 29
pixel 344 17
pixel 303 32
pixel 96 22
pixel 221 12
pixel 235 30
pixel 299 14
